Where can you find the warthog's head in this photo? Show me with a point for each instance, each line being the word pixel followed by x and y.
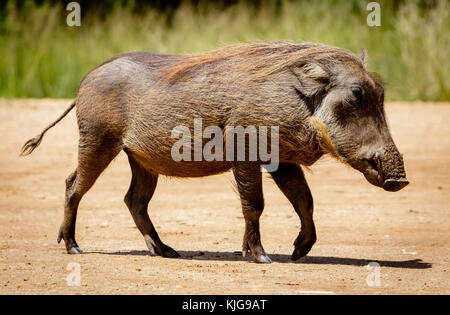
pixel 348 100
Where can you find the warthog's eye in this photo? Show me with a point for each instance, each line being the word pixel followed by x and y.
pixel 357 92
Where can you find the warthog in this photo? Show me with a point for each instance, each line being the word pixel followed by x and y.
pixel 322 98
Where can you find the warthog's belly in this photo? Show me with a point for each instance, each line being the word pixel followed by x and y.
pixel 169 167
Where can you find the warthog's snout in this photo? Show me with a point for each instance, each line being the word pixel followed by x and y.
pixel 385 169
pixel 395 184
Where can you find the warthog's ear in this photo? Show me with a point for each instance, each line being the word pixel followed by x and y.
pixel 312 78
pixel 363 56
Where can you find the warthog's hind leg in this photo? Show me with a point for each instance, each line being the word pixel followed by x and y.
pixel 249 184
pixel 291 180
pixel 70 213
pixel 142 187
pixel 92 160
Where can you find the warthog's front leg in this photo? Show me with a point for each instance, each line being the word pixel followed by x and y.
pixel 142 187
pixel 249 184
pixel 291 180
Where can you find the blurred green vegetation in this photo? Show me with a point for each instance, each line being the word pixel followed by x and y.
pixel 40 56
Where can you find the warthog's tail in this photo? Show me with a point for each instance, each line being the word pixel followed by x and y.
pixel 33 143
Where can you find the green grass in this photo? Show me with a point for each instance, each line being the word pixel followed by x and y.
pixel 40 56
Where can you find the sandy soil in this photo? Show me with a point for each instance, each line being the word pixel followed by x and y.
pixel 406 233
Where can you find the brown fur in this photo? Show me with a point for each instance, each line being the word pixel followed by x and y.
pixel 266 58
pixel 133 102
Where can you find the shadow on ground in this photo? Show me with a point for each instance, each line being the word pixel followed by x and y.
pixel 279 258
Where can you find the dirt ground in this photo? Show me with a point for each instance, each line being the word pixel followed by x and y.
pixel 406 233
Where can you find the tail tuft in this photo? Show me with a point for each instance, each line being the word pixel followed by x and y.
pixel 31 144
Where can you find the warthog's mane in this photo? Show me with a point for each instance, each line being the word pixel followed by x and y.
pixel 262 59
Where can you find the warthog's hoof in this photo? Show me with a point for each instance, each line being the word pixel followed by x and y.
pixel 71 245
pixel 303 245
pixel 259 256
pixel 297 254
pixel 166 251
pixel 171 253
pixel 263 259
pixel 74 251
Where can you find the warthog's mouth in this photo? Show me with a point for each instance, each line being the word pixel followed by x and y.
pixel 395 184
pixel 373 174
